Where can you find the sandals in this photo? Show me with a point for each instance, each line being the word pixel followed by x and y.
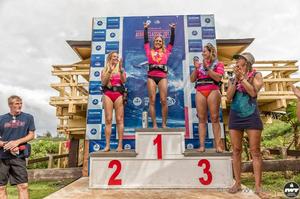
pixel 234 189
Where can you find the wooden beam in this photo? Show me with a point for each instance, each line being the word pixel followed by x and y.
pixel 274 165
pixel 278 104
pixel 85 159
pixel 73 154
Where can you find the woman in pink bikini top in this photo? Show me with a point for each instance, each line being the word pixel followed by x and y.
pixel 113 77
pixel 208 78
pixel 157 73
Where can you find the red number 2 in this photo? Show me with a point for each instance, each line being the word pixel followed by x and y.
pixel 157 141
pixel 112 179
pixel 206 171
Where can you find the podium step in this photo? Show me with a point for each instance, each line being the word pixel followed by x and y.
pixel 207 153
pixel 160 130
pixel 189 172
pixel 160 161
pixel 114 153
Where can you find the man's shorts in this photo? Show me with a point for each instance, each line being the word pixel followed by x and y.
pixel 13 170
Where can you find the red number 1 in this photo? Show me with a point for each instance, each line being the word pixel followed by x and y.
pixel 157 141
pixel 112 179
pixel 206 171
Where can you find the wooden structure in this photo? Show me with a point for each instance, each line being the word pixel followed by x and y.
pixel 72 99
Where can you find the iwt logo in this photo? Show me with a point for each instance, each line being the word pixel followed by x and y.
pixel 291 189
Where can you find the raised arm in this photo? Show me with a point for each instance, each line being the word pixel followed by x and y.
pixel 194 74
pixel 172 37
pixel 105 76
pixel 146 39
pixel 122 71
pixel 254 88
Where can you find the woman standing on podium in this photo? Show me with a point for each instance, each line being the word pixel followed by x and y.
pixel 157 73
pixel 207 78
pixel 113 78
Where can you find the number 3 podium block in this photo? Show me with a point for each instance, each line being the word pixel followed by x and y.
pixel 160 162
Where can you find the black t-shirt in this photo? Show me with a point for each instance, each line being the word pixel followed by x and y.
pixel 14 128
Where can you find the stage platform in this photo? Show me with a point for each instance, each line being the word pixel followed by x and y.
pixel 79 189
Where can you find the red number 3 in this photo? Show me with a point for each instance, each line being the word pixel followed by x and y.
pixel 206 171
pixel 112 179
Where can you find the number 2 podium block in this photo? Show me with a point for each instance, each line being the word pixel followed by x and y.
pixel 160 161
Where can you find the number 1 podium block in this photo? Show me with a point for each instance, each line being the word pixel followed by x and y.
pixel 160 161
pixel 160 143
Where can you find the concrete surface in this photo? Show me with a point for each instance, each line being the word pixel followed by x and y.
pixel 79 190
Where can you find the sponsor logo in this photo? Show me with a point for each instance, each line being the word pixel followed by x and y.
pixel 112 35
pixel 171 101
pixel 127 146
pixel 96 74
pixel 93 131
pixel 95 101
pixel 207 20
pixel 98 63
pixel 14 124
pixel 96 147
pixel 99 23
pixel 146 101
pixel 98 47
pixel 291 189
pixel 194 32
pixel 189 146
pixel 137 101
pixel 156 22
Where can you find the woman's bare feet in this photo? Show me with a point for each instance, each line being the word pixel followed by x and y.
pixel 219 150
pixel 106 149
pixel 119 149
pixel 201 149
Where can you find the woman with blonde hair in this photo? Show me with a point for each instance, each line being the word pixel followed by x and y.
pixel 207 77
pixel 113 77
pixel 158 71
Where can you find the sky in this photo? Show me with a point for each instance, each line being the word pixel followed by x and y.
pixel 33 35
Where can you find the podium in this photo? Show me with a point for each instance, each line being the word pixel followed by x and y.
pixel 160 161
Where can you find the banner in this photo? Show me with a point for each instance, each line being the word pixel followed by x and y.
pixel 125 35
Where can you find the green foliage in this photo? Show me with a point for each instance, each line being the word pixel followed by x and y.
pixel 40 148
pixel 277 134
pixel 291 115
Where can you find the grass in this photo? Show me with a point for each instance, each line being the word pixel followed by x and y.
pixel 272 182
pixel 39 189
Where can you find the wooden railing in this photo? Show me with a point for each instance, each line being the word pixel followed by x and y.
pixel 50 158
